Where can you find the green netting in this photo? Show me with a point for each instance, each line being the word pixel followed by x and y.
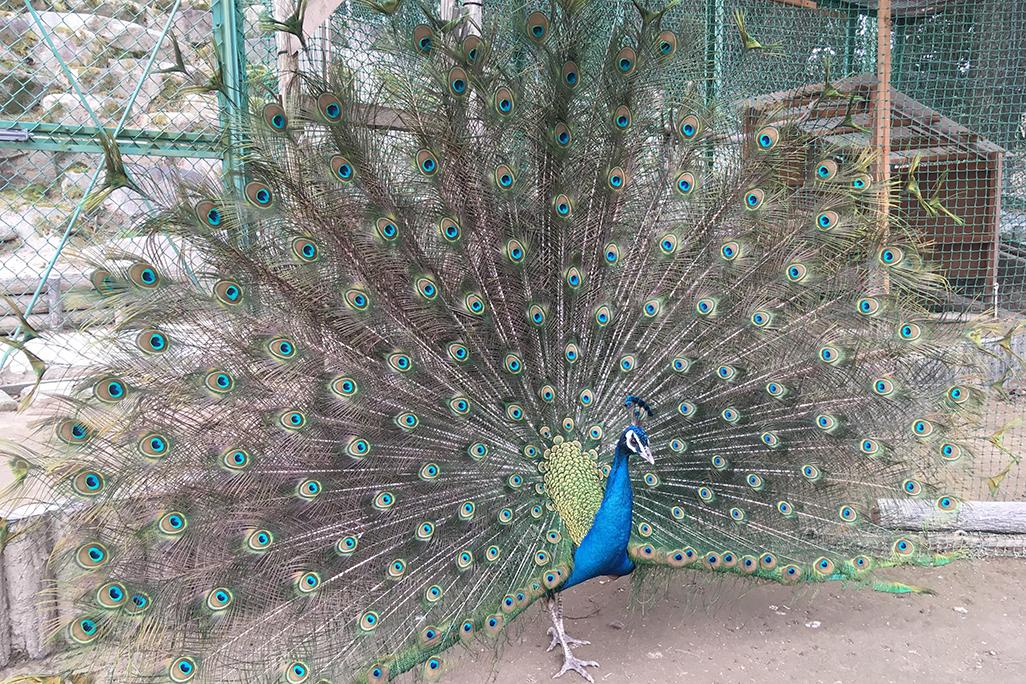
pixel 968 62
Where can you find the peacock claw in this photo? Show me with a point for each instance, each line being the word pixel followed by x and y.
pixel 568 640
pixel 578 666
pixel 560 638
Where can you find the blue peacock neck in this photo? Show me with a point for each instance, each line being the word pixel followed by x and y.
pixel 603 551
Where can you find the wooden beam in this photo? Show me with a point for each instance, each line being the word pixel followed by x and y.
pixel 1004 517
pixel 804 4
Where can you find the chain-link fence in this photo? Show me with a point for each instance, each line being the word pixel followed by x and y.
pixel 71 69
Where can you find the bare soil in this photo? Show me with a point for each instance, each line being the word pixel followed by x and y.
pixel 970 630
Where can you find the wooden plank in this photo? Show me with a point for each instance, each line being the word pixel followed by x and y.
pixel 53 302
pixel 995 188
pixel 1004 517
pixel 5 623
pixel 804 4
pixel 31 608
pixel 979 544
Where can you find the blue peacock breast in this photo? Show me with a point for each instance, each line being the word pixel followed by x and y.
pixel 603 551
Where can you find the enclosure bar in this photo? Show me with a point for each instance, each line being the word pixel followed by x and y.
pixel 229 39
pixel 129 104
pixel 63 138
pixel 58 145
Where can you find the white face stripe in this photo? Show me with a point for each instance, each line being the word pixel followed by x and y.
pixel 632 441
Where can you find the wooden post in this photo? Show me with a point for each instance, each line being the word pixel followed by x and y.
pixel 28 583
pixel 54 302
pixel 882 120
pixel 288 53
pixel 996 189
pixel 882 98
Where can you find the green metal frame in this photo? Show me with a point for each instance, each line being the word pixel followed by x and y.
pixel 229 39
pixel 132 141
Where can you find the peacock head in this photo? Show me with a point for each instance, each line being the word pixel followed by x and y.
pixel 634 439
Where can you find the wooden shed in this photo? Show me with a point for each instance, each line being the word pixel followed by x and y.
pixel 963 168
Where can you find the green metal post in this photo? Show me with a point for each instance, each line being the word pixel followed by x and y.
pixel 850 41
pixel 713 17
pixel 898 51
pixel 230 42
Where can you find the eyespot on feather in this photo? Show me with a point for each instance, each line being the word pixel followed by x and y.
pixel 152 341
pixel 626 61
pixel 274 117
pixel 305 250
pixel 209 214
pixel 767 138
pixel 228 292
pixel 458 82
pixel 570 75
pixel 144 276
pixel 423 39
pixel 666 44
pixel 504 101
pixel 259 194
pixel 329 108
pixel 537 26
pixel 341 169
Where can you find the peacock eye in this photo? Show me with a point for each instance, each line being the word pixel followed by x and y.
pixel 767 138
pixel 329 106
pixel 685 183
pixel 689 126
pixel 754 199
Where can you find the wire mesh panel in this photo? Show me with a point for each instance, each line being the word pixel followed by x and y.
pixel 69 71
pixel 967 60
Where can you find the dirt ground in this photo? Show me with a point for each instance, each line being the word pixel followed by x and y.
pixel 971 630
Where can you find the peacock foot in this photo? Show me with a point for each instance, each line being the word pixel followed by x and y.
pixel 559 637
pixel 578 666
pixel 557 640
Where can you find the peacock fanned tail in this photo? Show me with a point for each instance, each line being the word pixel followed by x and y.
pixel 367 415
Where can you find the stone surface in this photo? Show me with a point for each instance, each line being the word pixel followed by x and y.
pixel 25 222
pixel 7 402
pixel 192 26
pixel 21 90
pixel 23 167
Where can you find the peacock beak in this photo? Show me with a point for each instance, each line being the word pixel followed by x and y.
pixel 646 453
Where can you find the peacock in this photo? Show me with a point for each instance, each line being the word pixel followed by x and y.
pixel 516 306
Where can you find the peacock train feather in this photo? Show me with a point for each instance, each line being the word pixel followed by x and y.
pixel 504 313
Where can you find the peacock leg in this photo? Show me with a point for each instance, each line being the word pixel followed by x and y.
pixel 559 636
